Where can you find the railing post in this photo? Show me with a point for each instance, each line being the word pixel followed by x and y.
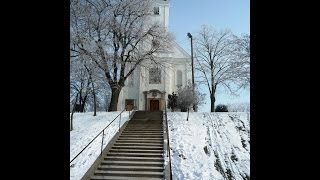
pixel 119 122
pixel 168 140
pixel 102 142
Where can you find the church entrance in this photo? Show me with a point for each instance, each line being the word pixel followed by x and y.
pixel 154 100
pixel 154 105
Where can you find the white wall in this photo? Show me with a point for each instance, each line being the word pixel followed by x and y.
pixel 175 60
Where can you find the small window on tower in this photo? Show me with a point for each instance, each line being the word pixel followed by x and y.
pixel 156 10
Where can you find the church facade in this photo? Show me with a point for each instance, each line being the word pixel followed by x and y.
pixel 148 87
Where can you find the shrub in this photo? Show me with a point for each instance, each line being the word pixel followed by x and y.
pixel 172 101
pixel 221 108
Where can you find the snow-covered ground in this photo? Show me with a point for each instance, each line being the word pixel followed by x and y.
pixel 210 145
pixel 86 127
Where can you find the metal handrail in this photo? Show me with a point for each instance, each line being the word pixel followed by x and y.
pixel 168 141
pixel 102 131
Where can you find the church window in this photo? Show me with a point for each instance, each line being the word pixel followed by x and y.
pixel 179 78
pixel 156 10
pixel 154 76
pixel 131 79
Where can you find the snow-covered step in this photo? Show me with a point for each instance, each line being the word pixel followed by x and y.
pixel 154 124
pixel 138 147
pixel 138 141
pixel 120 158
pixel 132 163
pixel 145 121
pixel 136 151
pixel 156 138
pixel 122 178
pixel 144 131
pixel 141 138
pixel 137 135
pixel 126 154
pixel 145 128
pixel 144 125
pixel 143 135
pixel 148 118
pixel 137 154
pixel 138 131
pixel 138 144
pixel 129 173
pixel 130 168
pixel 133 137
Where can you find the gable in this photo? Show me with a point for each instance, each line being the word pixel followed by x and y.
pixel 179 52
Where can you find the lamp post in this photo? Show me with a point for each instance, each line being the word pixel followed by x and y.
pixel 190 36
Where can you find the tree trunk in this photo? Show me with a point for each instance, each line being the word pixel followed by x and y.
pixel 94 101
pixel 213 100
pixel 71 119
pixel 80 102
pixel 84 99
pixel 188 115
pixel 213 89
pixel 114 99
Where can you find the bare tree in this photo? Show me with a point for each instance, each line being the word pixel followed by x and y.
pixel 242 52
pixel 117 36
pixel 87 80
pixel 90 71
pixel 79 84
pixel 217 60
pixel 187 97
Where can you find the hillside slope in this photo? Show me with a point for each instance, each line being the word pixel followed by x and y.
pixel 210 145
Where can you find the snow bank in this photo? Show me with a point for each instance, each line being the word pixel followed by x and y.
pixel 86 127
pixel 210 145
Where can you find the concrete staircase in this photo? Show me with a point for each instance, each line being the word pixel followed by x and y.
pixel 137 154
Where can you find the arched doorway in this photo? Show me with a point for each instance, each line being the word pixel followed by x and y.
pixel 154 100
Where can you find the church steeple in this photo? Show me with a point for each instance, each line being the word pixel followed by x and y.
pixel 161 12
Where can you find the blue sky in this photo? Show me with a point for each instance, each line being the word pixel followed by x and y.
pixel 188 16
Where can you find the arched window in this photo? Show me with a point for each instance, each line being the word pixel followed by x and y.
pixel 179 78
pixel 131 79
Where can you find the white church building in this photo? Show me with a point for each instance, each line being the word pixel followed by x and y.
pixel 148 88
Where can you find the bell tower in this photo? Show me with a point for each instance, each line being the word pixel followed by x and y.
pixel 161 12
